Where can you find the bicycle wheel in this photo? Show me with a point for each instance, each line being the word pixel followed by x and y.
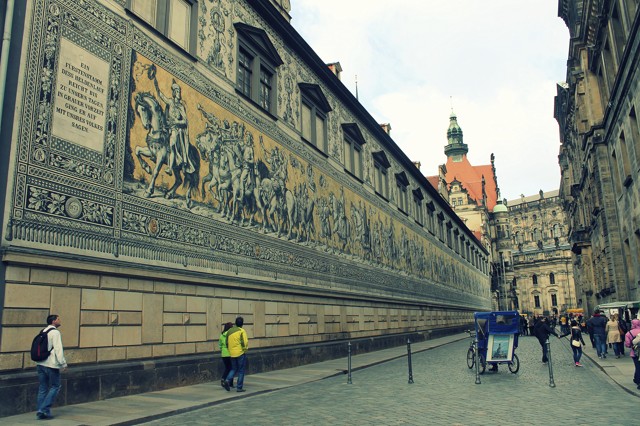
pixel 471 358
pixel 483 363
pixel 514 366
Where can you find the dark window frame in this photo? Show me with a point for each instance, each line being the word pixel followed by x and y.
pixel 263 59
pixel 353 141
pixel 161 26
pixel 381 167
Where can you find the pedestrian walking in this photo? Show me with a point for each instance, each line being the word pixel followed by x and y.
pixel 224 353
pixel 530 324
pixel 237 343
pixel 624 328
pixel 597 328
pixel 613 335
pixel 542 331
pixel 577 342
pixel 49 369
pixel 635 330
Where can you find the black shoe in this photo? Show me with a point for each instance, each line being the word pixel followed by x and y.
pixel 40 415
pixel 240 390
pixel 226 386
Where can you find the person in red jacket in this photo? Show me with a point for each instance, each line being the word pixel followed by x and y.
pixel 237 343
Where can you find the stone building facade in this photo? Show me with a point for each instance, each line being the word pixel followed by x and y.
pixel 533 266
pixel 168 167
pixel 596 109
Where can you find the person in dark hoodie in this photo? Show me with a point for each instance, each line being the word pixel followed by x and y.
pixel 542 331
pixel 597 328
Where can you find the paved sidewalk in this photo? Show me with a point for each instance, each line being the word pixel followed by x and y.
pixel 140 408
pixel 620 370
pixel 129 410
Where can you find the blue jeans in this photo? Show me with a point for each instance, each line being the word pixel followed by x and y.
pixel 577 353
pixel 237 367
pixel 601 344
pixel 49 379
pixel 636 373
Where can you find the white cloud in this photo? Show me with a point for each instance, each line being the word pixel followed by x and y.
pixel 496 61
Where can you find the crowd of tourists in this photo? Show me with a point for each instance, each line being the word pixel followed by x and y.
pixel 605 334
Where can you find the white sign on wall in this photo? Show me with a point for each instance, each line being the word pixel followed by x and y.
pixel 80 101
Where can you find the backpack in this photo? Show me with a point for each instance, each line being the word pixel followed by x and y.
pixel 40 346
pixel 635 344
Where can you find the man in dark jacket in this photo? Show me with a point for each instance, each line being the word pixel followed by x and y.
pixel 597 328
pixel 542 331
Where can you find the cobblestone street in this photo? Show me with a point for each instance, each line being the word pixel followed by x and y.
pixel 444 393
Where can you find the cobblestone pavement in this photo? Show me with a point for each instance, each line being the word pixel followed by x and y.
pixel 443 393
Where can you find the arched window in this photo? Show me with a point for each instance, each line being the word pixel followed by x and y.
pixel 535 279
pixel 552 278
pixel 536 234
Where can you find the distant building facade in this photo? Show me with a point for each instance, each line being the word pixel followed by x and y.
pixel 596 109
pixel 168 166
pixel 534 266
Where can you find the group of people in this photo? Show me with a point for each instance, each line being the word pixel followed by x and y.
pixel 603 333
pixel 233 344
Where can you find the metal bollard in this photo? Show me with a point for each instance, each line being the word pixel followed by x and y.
pixel 552 384
pixel 349 366
pixel 409 360
pixel 477 357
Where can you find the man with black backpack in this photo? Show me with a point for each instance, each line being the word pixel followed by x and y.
pixel 49 367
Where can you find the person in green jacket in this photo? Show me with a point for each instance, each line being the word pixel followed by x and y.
pixel 224 353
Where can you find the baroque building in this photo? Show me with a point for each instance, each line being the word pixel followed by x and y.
pixel 533 267
pixel 530 260
pixel 168 166
pixel 596 109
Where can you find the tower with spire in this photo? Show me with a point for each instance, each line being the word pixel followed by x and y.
pixel 455 149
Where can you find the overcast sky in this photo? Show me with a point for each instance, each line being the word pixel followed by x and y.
pixel 497 62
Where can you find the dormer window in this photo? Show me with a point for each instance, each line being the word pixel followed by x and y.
pixel 257 63
pixel 314 112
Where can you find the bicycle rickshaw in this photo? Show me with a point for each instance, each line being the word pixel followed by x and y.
pixel 496 339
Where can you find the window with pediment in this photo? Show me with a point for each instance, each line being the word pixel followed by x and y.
pixel 418 208
pixel 402 184
pixel 257 64
pixel 381 167
pixel 353 148
pixel 314 109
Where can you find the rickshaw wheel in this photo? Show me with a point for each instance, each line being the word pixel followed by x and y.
pixel 471 358
pixel 483 363
pixel 514 366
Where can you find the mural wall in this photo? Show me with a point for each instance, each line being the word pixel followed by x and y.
pixel 147 203
pixel 125 150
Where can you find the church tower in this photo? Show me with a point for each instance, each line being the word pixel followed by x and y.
pixel 455 149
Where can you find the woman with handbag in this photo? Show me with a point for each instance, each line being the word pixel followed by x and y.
pixel 613 335
pixel 577 342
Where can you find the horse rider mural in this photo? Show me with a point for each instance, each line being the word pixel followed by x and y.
pixel 176 116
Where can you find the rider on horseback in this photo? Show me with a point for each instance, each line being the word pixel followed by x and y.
pixel 176 116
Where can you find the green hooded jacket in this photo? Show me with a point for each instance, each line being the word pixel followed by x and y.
pixel 222 342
